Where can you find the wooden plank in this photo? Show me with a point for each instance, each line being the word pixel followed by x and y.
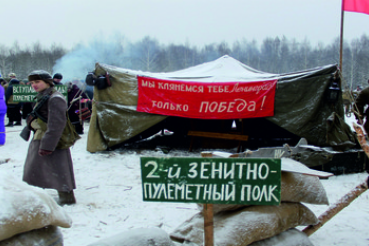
pixel 336 208
pixel 218 135
pixel 208 225
pixel 208 216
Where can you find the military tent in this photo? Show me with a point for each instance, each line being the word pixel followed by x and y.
pixel 301 107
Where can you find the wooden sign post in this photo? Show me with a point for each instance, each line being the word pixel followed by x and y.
pixel 208 180
pixel 208 216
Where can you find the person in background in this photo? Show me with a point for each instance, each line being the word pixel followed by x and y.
pixel 2 115
pixel 14 108
pixel 26 106
pixel 12 76
pixel 75 105
pixel 361 101
pixel 57 78
pixel 46 165
pixel 2 82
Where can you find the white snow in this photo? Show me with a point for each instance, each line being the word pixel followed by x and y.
pixel 109 196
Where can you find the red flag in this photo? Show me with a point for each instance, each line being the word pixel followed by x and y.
pixel 361 6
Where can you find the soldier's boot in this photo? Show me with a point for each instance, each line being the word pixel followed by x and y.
pixel 10 124
pixel 66 198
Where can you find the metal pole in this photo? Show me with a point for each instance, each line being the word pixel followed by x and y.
pixel 341 37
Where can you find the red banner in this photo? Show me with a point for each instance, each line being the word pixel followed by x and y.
pixel 205 100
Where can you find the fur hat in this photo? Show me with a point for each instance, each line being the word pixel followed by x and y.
pixel 41 75
pixel 58 76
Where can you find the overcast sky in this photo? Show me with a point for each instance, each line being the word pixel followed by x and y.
pixel 198 22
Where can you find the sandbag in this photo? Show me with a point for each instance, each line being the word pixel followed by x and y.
pixel 26 207
pixel 243 227
pixel 295 187
pixel 291 237
pixel 140 236
pixel 47 236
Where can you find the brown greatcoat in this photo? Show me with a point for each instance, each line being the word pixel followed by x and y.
pixel 54 171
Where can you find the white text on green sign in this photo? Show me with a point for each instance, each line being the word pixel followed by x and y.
pixel 25 93
pixel 211 180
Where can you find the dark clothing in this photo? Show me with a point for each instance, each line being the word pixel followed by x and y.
pixel 2 115
pixel 362 100
pixel 73 93
pixel 14 108
pixel 14 114
pixel 27 108
pixel 53 171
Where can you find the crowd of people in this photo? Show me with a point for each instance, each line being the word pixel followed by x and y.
pixel 16 111
pixel 55 120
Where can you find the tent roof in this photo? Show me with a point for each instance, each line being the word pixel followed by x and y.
pixel 223 69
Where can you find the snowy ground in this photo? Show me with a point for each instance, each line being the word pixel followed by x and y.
pixel 109 196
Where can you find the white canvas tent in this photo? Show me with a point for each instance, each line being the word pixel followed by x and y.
pixel 300 105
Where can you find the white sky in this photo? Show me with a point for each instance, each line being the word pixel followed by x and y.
pixel 199 22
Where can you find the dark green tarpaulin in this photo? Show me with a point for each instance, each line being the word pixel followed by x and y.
pixel 300 102
pixel 301 106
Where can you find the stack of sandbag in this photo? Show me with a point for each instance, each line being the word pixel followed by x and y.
pixel 47 236
pixel 141 236
pixel 241 225
pixel 28 215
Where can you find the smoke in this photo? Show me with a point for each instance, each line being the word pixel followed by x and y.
pixel 76 64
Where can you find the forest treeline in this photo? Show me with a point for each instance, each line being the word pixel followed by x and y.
pixel 273 55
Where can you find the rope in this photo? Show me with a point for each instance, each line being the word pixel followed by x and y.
pixel 11 131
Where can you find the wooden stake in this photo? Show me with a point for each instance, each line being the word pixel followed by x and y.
pixel 336 208
pixel 208 225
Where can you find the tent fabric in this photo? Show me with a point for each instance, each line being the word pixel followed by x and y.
pixel 300 105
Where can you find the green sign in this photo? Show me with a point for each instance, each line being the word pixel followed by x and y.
pixel 254 181
pixel 25 93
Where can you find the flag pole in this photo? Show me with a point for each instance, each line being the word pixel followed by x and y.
pixel 341 37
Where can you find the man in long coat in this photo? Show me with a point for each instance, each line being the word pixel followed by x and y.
pixel 47 166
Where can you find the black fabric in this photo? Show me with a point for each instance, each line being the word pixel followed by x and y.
pixel 13 113
pixel 101 83
pixel 27 109
pixel 91 79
